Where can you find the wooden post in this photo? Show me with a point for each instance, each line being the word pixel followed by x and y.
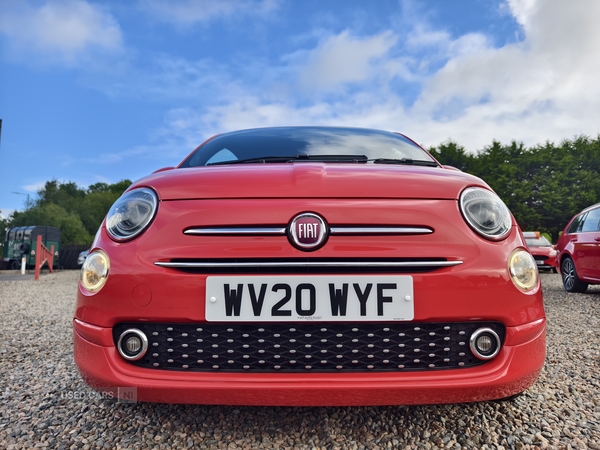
pixel 42 256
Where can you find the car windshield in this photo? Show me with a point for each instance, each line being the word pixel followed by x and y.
pixel 306 144
pixel 539 242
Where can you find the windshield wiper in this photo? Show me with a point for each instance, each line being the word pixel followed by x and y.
pixel 406 161
pixel 287 159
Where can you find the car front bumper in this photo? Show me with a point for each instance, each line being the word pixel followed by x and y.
pixel 512 371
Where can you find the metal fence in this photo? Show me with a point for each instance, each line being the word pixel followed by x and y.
pixel 69 254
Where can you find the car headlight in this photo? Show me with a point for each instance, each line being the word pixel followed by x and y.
pixel 523 270
pixel 94 271
pixel 131 214
pixel 553 253
pixel 485 213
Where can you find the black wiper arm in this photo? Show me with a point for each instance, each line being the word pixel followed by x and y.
pixel 406 161
pixel 262 160
pixel 285 159
pixel 334 158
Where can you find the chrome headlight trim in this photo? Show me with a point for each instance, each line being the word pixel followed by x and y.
pixel 485 213
pixel 131 214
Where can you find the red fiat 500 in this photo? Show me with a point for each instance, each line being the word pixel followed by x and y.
pixel 310 266
pixel 579 250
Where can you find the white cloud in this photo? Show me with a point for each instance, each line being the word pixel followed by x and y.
pixel 188 12
pixel 34 187
pixel 68 32
pixel 523 10
pixel 166 78
pixel 440 43
pixel 344 59
pixel 542 87
pixel 5 213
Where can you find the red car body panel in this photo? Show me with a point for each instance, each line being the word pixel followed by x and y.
pixel 137 290
pixel 309 180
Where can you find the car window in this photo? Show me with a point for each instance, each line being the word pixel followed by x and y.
pixel 311 141
pixel 222 155
pixel 538 242
pixel 575 226
pixel 592 221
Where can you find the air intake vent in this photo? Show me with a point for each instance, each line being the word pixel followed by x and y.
pixel 309 347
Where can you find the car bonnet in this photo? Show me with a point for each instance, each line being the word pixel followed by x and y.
pixel 309 180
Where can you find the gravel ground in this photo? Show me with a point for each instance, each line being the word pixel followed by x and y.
pixel 44 403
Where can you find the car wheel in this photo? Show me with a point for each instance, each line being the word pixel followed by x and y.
pixel 569 276
pixel 15 265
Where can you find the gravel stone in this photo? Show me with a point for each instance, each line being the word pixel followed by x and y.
pixel 45 404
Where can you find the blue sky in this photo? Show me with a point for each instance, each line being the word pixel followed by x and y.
pixel 100 91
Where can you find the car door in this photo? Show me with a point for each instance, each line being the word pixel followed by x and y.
pixel 596 236
pixel 587 246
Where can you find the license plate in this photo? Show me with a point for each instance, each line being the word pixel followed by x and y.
pixel 309 298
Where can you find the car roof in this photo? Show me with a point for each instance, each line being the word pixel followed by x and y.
pixel 589 208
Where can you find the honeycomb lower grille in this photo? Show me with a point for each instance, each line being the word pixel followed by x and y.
pixel 308 347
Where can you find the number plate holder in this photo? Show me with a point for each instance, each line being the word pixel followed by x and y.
pixel 327 298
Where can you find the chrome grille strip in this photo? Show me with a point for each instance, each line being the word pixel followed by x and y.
pixel 235 231
pixel 304 264
pixel 261 231
pixel 380 230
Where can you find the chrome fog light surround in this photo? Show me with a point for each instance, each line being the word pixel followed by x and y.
pixel 485 343
pixel 132 344
pixel 94 271
pixel 523 270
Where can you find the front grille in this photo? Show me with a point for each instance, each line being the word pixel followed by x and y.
pixel 308 347
pixel 540 257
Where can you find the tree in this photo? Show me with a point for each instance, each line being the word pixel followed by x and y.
pixel 543 186
pixel 451 154
pixel 4 227
pixel 65 195
pixel 69 224
pixel 77 212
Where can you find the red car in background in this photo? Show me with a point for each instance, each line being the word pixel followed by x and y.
pixel 542 250
pixel 579 250
pixel 310 266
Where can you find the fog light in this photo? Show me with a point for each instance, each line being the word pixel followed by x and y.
pixel 132 344
pixel 485 343
pixel 523 270
pixel 94 271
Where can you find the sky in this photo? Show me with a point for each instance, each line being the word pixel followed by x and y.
pixel 101 91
